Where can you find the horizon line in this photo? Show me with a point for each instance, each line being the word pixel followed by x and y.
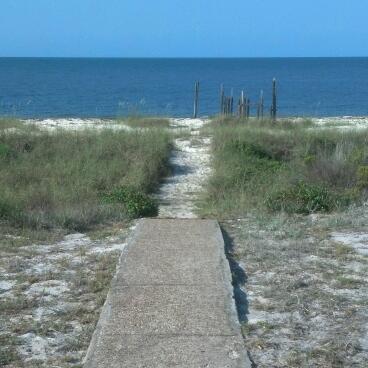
pixel 183 57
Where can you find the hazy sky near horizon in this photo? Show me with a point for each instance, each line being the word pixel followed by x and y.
pixel 183 28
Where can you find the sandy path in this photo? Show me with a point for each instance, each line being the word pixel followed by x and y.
pixel 190 164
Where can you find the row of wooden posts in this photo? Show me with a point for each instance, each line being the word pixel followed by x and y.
pixel 244 104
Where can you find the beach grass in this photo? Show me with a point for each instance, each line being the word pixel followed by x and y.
pixel 146 122
pixel 75 180
pixel 9 124
pixel 285 166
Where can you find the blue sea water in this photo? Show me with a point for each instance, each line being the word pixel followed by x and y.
pixel 59 87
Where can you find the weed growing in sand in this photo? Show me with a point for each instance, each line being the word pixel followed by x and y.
pixel 8 351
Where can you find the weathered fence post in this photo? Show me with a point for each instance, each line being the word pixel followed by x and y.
pixel 222 95
pixel 232 101
pixel 274 101
pixel 196 98
pixel 260 107
pixel 248 108
pixel 242 104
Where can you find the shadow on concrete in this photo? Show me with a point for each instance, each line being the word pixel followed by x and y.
pixel 239 279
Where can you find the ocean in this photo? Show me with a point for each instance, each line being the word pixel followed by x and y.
pixel 108 88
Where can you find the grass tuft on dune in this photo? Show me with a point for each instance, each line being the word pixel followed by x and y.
pixel 146 122
pixel 287 166
pixel 61 179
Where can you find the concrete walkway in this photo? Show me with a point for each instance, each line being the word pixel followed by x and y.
pixel 170 304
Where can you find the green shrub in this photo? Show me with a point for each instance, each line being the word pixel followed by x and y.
pixel 136 203
pixel 5 150
pixel 8 211
pixel 309 159
pixel 362 176
pixel 358 155
pixel 302 198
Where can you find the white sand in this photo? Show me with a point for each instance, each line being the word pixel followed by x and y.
pixel 190 164
pixel 342 122
pixel 358 241
pixel 76 124
pixel 67 260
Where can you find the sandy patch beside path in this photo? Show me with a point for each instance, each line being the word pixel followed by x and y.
pixel 51 295
pixel 304 288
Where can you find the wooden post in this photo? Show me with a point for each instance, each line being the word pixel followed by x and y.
pixel 248 108
pixel 245 107
pixel 242 104
pixel 261 105
pixel 196 98
pixel 274 101
pixel 222 96
pixel 232 101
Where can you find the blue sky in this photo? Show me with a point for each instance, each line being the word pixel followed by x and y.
pixel 183 28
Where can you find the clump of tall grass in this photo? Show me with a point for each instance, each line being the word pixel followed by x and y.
pixel 62 179
pixel 286 166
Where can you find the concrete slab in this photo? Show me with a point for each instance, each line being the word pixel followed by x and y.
pixel 180 266
pixel 194 273
pixel 182 310
pixel 171 302
pixel 145 351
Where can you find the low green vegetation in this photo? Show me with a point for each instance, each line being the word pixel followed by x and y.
pixel 75 180
pixel 291 167
pixel 137 203
pixel 146 122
